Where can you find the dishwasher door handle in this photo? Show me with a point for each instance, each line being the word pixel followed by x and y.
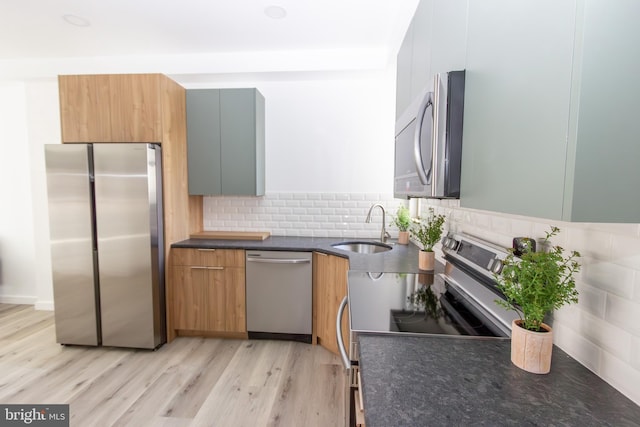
pixel 343 352
pixel 279 260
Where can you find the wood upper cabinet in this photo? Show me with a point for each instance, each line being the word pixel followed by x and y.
pixel 208 288
pixel 330 287
pixel 111 108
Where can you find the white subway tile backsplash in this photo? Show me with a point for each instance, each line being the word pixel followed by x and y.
pixel 635 353
pixel 592 300
pixel 303 214
pixel 578 346
pixel 606 336
pixel 609 277
pixel 590 243
pixel 623 313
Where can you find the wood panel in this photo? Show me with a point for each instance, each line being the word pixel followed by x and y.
pixel 208 257
pixel 178 220
pixel 85 113
pixel 330 280
pixel 135 107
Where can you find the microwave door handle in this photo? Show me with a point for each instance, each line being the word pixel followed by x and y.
pixel 435 134
pixel 343 350
pixel 425 177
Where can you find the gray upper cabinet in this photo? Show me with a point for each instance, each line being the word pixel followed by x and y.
pixel 414 58
pixel 226 141
pixel 435 42
pixel 517 93
pixel 449 33
pixel 603 175
pixel 550 128
pixel 403 73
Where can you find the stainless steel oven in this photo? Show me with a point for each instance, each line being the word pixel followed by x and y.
pixel 457 299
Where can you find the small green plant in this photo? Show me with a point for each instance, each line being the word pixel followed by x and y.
pixel 538 282
pixel 402 220
pixel 429 231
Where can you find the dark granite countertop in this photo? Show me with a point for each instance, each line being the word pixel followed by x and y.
pixel 449 381
pixel 402 258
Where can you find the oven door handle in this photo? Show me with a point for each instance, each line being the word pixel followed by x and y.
pixel 343 351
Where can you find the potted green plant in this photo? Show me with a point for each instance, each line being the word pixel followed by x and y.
pixel 402 220
pixel 535 284
pixel 428 233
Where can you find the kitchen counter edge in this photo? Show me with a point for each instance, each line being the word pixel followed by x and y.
pixel 402 258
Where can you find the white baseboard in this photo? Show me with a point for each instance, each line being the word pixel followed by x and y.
pixel 17 299
pixel 44 305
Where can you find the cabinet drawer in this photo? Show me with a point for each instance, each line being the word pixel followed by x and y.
pixel 208 257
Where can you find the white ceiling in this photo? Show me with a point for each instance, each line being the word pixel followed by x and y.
pixel 36 28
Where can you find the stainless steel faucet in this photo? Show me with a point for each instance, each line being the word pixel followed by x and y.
pixel 383 234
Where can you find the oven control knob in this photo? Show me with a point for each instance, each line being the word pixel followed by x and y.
pixel 445 242
pixel 453 244
pixel 496 266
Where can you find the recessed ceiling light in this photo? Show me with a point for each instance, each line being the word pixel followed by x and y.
pixel 275 12
pixel 78 21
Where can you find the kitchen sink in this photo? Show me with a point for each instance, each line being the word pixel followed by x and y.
pixel 362 247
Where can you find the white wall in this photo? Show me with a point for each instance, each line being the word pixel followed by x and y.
pixel 18 262
pixel 43 121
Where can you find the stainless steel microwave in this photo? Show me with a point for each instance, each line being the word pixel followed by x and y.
pixel 428 143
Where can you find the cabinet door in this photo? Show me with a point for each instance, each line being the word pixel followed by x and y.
pixel 242 143
pixel 330 279
pixel 226 296
pixel 602 183
pixel 517 92
pixel 210 299
pixel 403 73
pixel 135 108
pixel 421 49
pixel 448 36
pixel 225 129
pixel 203 141
pixel 190 296
pixel 85 113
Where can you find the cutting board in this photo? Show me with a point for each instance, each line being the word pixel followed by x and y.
pixel 231 235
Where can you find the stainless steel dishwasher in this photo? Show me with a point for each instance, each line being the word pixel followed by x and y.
pixel 279 295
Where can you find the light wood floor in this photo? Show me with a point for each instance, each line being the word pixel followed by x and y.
pixel 190 382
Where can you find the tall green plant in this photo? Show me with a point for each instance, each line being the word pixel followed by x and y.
pixel 402 220
pixel 538 282
pixel 429 231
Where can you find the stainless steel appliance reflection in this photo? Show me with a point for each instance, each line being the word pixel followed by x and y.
pixel 105 214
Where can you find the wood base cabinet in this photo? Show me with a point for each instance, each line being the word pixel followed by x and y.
pixel 330 287
pixel 208 291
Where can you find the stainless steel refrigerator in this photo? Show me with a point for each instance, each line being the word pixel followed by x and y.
pixel 107 252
